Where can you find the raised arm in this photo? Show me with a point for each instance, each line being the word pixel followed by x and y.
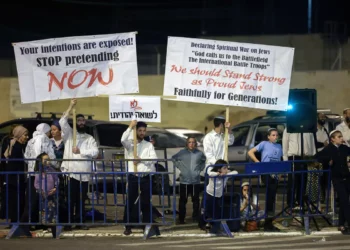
pixel 127 143
pixel 231 138
pixel 66 129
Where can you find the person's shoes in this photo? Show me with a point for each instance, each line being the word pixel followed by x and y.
pixel 181 222
pixel 220 233
pixel 127 231
pixel 83 227
pixel 343 230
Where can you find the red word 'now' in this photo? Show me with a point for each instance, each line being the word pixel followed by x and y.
pixel 70 79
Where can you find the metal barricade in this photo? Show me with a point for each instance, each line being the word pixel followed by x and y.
pixel 280 193
pixel 36 204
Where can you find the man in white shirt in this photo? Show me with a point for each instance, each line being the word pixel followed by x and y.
pixel 86 149
pixel 140 180
pixel 344 127
pixel 291 143
pixel 214 141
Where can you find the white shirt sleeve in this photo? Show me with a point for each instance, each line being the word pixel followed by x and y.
pixel 231 139
pixel 232 172
pixel 125 139
pixel 66 129
pixel 152 155
pixel 209 151
pixel 92 150
pixel 345 133
pixel 285 144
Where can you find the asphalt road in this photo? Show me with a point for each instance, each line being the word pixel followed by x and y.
pixel 337 242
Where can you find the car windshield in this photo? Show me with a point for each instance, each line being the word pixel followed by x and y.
pixel 167 139
pixel 110 134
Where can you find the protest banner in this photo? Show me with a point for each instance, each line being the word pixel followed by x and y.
pixel 82 66
pixel 128 108
pixel 228 73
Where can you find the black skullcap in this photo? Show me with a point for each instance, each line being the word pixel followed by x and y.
pixel 79 115
pixel 141 125
pixel 219 164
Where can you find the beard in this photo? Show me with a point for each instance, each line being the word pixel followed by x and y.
pixel 140 137
pixel 321 122
pixel 81 129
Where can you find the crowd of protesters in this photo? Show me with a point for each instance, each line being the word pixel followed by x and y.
pixel 38 189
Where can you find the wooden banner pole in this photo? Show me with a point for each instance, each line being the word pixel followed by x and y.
pixel 135 148
pixel 226 134
pixel 74 128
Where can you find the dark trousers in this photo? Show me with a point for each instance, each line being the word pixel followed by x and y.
pixel 299 180
pixel 342 187
pixel 213 211
pixel 187 190
pixel 271 190
pixel 132 210
pixel 16 200
pixel 78 195
pixel 31 208
pixel 325 180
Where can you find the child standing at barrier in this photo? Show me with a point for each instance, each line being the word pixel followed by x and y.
pixel 270 151
pixel 336 155
pixel 45 185
pixel 214 191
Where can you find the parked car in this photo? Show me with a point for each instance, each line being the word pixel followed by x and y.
pixel 250 133
pixel 167 145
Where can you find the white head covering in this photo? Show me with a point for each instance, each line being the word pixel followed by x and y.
pixel 42 129
pixel 332 132
pixel 245 184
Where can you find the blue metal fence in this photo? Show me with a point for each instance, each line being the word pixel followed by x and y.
pixel 300 199
pixel 36 206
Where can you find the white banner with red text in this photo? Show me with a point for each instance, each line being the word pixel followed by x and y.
pixel 228 73
pixel 128 108
pixel 81 66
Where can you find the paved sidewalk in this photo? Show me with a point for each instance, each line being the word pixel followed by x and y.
pixel 187 230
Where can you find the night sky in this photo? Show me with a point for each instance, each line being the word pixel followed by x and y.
pixel 156 19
